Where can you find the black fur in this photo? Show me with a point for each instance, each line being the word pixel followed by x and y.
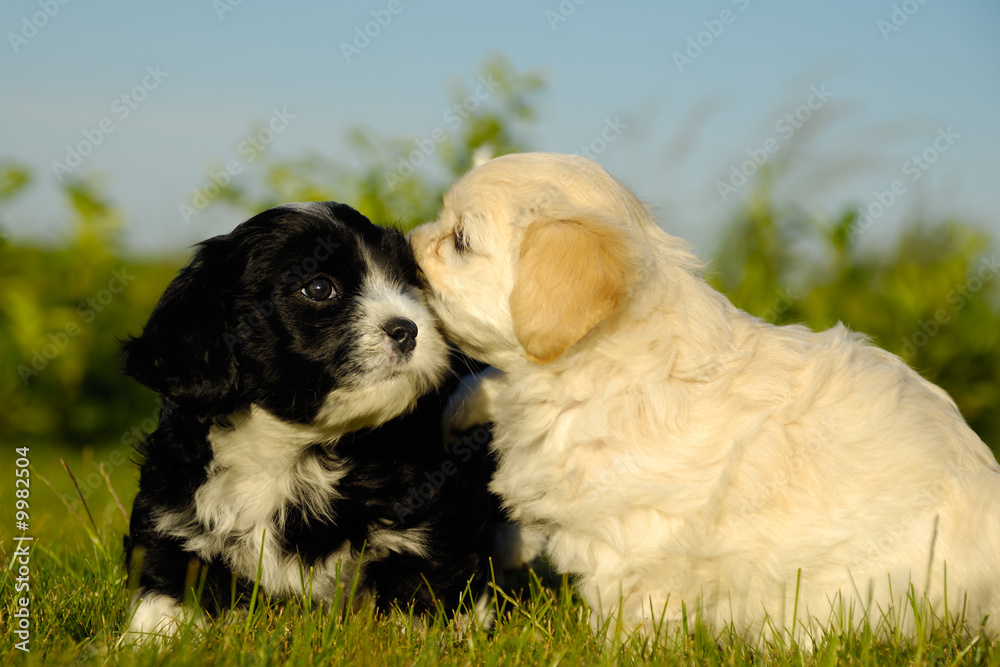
pixel 233 330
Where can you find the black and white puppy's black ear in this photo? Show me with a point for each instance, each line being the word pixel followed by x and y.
pixel 183 353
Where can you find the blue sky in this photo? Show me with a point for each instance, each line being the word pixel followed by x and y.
pixel 879 96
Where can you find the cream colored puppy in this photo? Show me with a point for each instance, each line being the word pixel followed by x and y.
pixel 682 456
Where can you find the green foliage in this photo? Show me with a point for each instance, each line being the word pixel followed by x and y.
pixel 13 179
pixel 62 312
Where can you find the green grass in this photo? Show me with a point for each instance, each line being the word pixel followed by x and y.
pixel 78 599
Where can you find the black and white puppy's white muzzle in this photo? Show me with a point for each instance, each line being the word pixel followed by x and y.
pixel 301 376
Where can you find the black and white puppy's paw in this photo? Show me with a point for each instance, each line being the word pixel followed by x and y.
pixel 303 381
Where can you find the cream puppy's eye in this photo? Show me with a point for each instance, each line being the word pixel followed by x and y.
pixel 461 240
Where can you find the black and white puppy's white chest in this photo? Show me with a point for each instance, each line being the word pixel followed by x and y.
pixel 274 504
pixel 304 380
pixel 264 477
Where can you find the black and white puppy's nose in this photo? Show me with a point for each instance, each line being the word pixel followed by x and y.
pixel 403 332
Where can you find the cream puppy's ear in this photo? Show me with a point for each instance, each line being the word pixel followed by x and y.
pixel 572 275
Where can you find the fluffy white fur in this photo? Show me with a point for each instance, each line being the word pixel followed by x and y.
pixel 675 450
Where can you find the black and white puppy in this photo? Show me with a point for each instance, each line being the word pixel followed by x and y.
pixel 301 377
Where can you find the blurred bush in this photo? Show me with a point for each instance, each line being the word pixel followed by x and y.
pixel 931 296
pixel 62 311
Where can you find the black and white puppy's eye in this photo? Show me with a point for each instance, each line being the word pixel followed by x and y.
pixel 319 289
